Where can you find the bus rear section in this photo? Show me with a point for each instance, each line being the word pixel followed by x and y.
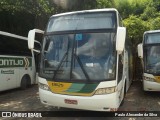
pixel 17 67
pixel 149 52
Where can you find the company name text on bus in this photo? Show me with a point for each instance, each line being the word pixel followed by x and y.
pixel 16 62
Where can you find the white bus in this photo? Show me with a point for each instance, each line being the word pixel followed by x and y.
pixel 84 64
pixel 149 52
pixel 17 64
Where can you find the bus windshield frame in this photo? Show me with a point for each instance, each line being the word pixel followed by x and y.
pixel 82 21
pixel 152 53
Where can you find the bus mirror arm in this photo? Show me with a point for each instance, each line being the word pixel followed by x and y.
pixel 120 39
pixel 31 39
pixel 37 51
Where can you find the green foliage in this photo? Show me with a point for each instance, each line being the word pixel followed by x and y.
pixel 149 13
pixel 155 23
pixel 74 5
pixel 123 7
pixel 128 7
pixel 35 7
pixel 138 15
pixel 135 29
pixel 105 3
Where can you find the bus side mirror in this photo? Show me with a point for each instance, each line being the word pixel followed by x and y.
pixel 31 38
pixel 140 50
pixel 120 40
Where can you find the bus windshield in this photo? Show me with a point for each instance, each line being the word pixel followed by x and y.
pixel 153 59
pixel 152 51
pixel 82 21
pixel 82 56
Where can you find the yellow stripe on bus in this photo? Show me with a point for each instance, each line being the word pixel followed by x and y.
pixel 59 86
pixel 157 79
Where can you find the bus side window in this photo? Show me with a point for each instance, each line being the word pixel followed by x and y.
pixel 120 67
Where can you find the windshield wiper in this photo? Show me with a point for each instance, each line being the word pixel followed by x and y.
pixel 65 56
pixel 81 65
pixel 65 59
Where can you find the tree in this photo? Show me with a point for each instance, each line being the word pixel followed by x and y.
pixel 72 5
pixel 29 14
pixel 105 3
pixel 149 13
pixel 155 23
pixel 135 28
pixel 131 7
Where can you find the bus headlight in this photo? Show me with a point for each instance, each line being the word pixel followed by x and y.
pixel 44 86
pixel 107 90
pixel 148 79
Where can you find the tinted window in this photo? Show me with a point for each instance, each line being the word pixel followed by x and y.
pixel 13 46
pixel 83 21
pixel 152 38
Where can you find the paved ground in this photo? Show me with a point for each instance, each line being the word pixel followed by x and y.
pixel 28 100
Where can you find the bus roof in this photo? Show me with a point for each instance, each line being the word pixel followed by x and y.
pixel 85 11
pixel 148 32
pixel 151 31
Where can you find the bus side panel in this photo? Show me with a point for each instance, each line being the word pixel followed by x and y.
pixel 28 69
pixel 12 77
pixel 8 74
pixel 3 81
pixel 9 78
pixel 12 70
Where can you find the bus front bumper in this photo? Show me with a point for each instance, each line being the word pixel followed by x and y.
pixel 108 102
pixel 151 86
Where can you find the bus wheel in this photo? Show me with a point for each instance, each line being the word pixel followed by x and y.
pixel 25 82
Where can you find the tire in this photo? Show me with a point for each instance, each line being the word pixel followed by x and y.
pixel 25 82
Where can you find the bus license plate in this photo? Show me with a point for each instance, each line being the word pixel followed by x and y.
pixel 68 101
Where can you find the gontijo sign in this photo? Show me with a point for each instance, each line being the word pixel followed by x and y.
pixel 15 62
